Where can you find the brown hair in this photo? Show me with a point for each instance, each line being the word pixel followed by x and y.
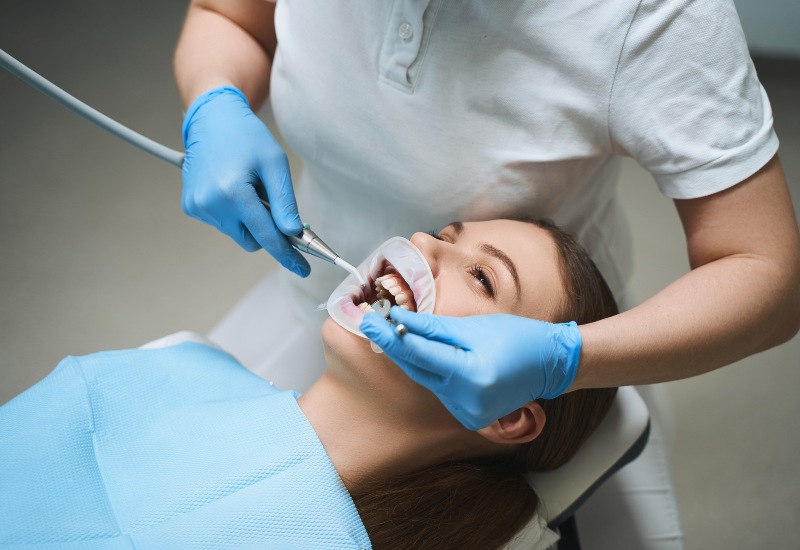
pixel 482 504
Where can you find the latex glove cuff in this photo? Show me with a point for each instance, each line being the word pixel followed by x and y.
pixel 567 339
pixel 201 100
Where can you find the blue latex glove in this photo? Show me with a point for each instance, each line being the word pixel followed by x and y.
pixel 500 363
pixel 231 158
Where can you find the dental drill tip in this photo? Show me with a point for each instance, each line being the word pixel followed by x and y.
pixel 347 267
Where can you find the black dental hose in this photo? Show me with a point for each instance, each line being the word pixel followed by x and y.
pixel 307 241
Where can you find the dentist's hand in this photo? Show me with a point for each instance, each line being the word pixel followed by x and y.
pixel 499 362
pixel 231 158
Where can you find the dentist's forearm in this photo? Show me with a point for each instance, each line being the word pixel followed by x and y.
pixel 220 45
pixel 713 316
pixel 741 297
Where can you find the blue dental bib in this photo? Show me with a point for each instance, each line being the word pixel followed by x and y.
pixel 173 448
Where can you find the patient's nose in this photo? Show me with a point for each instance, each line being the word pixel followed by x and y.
pixel 430 248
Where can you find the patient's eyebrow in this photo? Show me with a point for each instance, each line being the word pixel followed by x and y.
pixel 500 255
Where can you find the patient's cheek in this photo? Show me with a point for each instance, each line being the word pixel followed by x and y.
pixel 459 305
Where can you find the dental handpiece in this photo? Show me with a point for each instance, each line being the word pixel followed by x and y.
pixel 307 241
pixel 310 243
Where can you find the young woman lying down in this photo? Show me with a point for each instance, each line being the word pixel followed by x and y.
pixel 182 447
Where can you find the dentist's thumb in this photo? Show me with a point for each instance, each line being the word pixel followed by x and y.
pixel 379 330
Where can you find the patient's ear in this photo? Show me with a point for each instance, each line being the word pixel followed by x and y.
pixel 521 426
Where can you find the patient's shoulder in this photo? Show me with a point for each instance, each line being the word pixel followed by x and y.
pixel 189 369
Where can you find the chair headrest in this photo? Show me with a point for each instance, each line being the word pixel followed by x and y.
pixel 620 437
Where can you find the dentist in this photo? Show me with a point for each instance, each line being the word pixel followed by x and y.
pixel 412 114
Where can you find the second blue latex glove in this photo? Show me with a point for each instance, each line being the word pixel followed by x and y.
pixel 231 158
pixel 483 367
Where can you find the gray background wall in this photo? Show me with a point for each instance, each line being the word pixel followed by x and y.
pixel 95 253
pixel 772 27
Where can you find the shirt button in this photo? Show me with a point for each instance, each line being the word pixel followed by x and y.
pixel 406 31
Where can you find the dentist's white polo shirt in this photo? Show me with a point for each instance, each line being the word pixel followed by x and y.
pixel 410 114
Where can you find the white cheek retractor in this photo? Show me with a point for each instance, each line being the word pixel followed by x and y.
pixel 395 255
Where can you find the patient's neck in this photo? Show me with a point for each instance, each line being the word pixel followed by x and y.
pixel 371 433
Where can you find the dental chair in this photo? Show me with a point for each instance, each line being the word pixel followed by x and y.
pixel 618 440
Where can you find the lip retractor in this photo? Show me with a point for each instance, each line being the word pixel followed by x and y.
pixel 397 255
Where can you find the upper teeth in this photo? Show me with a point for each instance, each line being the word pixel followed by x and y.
pixel 389 283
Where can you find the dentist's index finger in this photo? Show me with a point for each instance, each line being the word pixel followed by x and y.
pixel 262 227
pixel 430 326
pixel 425 359
pixel 407 351
pixel 277 181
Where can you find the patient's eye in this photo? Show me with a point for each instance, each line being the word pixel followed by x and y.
pixel 435 234
pixel 478 272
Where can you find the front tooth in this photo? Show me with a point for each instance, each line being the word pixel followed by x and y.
pixel 389 282
pixel 395 290
pixel 379 281
pixel 401 298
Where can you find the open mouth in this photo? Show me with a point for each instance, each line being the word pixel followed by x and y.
pixel 386 283
pixel 397 272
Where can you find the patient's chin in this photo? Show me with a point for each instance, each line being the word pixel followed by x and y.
pixel 352 361
pixel 344 351
pixel 341 342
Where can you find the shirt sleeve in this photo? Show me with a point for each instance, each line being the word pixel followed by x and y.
pixel 686 102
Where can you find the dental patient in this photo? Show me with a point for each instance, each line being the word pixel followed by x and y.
pixel 182 447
